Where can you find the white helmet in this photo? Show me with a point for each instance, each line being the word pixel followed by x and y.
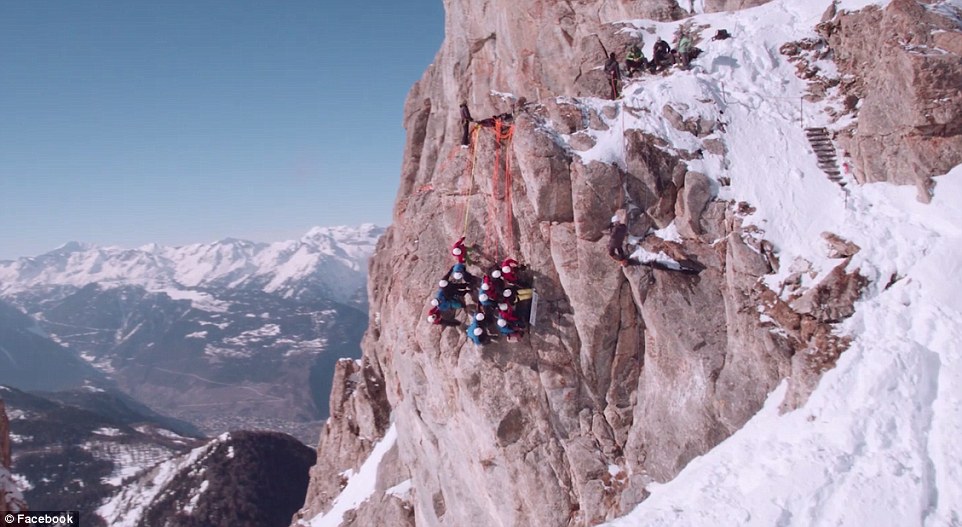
pixel 434 302
pixel 432 318
pixel 479 316
pixel 477 332
pixel 443 283
pixel 506 269
pixel 457 275
pixel 506 293
pixel 502 322
pixel 456 251
pixel 496 273
pixel 485 287
pixel 502 306
pixel 483 297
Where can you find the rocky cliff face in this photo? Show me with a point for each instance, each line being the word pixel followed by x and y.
pixel 900 75
pixel 629 372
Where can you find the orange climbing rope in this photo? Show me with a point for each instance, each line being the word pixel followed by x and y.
pixel 508 212
pixel 490 241
pixel 470 190
pixel 502 138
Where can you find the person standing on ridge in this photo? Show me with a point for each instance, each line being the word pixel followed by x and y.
pixel 614 74
pixel 683 52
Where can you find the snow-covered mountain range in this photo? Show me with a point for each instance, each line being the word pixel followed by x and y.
pixel 226 335
pixel 327 260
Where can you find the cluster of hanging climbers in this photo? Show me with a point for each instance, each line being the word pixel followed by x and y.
pixel 502 299
pixel 503 302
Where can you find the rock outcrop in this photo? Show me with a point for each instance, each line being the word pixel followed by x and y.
pixel 629 373
pixel 712 6
pixel 11 499
pixel 901 70
pixel 4 436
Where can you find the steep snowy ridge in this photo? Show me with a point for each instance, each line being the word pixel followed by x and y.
pixel 877 442
pixel 874 444
pixel 240 478
pixel 335 257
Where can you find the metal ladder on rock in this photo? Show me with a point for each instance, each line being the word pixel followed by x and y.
pixel 825 152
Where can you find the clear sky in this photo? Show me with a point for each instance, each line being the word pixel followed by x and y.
pixel 179 121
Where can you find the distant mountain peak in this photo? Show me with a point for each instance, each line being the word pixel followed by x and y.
pixel 72 247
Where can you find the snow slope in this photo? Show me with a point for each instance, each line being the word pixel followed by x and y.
pixel 336 256
pixel 360 486
pixel 875 444
pixel 10 496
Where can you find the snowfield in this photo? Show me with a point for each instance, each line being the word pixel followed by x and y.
pixel 875 444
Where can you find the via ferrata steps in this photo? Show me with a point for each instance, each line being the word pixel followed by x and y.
pixel 825 152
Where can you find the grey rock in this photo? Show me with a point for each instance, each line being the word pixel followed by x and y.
pixel 906 61
pixel 635 367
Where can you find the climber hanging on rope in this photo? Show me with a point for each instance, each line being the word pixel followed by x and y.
pixel 509 325
pixel 452 287
pixel 489 293
pixel 466 121
pixel 616 243
pixel 476 332
pixel 508 270
pixel 459 251
pixel 442 318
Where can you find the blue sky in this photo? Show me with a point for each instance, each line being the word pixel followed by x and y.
pixel 129 122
